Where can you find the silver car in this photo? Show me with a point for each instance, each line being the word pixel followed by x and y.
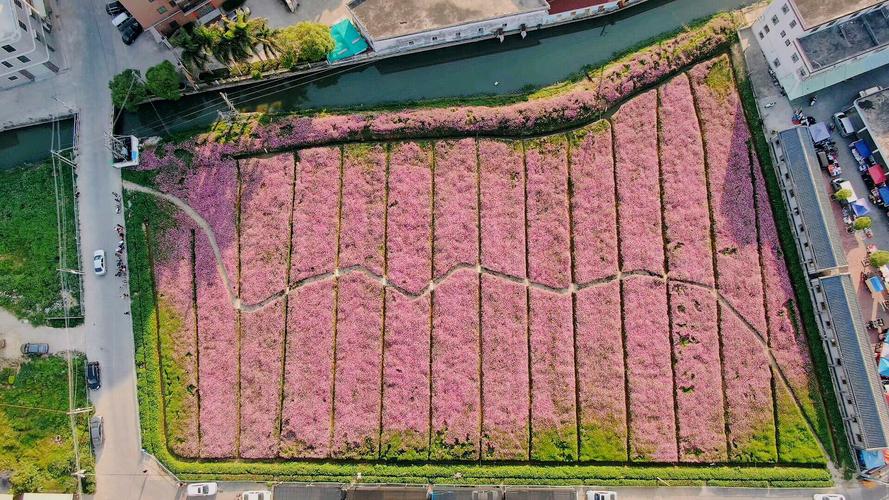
pixel 97 431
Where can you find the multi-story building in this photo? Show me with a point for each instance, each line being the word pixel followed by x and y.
pixel 27 48
pixel 813 44
pixel 164 17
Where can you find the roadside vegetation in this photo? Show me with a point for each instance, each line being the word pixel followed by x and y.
pixel 35 434
pixel 29 255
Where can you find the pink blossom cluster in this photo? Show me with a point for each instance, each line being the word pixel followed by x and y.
pixel 409 217
pixel 456 204
pixel 549 245
pixel 502 179
pixel 406 378
pixel 649 370
pixel 601 375
pixel 362 230
pixel 699 398
pixel 308 373
pixel 638 184
pixel 505 367
pixel 592 204
pixel 553 408
pixel 356 407
pixel 315 212
pixel 455 368
pixel 731 192
pixel 686 214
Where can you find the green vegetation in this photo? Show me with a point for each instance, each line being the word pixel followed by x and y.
pixel 796 444
pixel 127 89
pixel 879 258
pixel 29 254
pixel 35 432
pixel 304 42
pixel 163 81
pixel 843 194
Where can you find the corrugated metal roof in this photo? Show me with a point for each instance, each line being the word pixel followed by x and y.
pixel 814 202
pixel 858 360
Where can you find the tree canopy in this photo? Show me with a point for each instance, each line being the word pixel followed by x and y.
pixel 879 258
pixel 163 81
pixel 305 42
pixel 127 89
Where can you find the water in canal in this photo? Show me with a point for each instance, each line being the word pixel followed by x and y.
pixel 542 58
pixel 32 144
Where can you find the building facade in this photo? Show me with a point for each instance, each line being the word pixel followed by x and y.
pixel 27 47
pixel 162 18
pixel 813 44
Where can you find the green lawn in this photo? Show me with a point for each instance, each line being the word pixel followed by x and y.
pixel 29 257
pixel 35 433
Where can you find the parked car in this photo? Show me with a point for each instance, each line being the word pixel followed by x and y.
pixel 99 262
pixel 256 495
pixel 114 8
pixel 97 431
pixel 93 375
pixel 233 14
pixel 828 496
pixel 201 489
pixel 120 19
pixel 35 349
pixel 130 30
pixel 601 495
pixel 844 124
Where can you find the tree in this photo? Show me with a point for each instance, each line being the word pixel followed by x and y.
pixel 306 42
pixel 193 43
pixel 862 223
pixel 26 478
pixel 163 81
pixel 843 194
pixel 127 89
pixel 879 258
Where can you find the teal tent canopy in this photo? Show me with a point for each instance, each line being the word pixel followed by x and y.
pixel 348 41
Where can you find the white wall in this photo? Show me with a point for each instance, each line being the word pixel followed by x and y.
pixel 33 44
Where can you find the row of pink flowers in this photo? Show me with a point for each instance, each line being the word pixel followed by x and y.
pixel 592 204
pixel 409 216
pixel 502 180
pixel 686 217
pixel 406 378
pixel 731 190
pixel 315 212
pixel 308 372
pixel 553 405
pixel 649 370
pixel 505 367
pixel 600 371
pixel 456 204
pixel 358 357
pixel 699 398
pixel 455 368
pixel 638 184
pixel 362 229
pixel 549 255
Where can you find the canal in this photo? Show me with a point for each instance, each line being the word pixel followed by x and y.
pixel 32 144
pixel 483 68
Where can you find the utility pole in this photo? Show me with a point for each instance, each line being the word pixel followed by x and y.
pixel 232 110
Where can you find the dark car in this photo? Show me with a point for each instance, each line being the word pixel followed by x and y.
pixel 130 33
pixel 33 349
pixel 93 375
pixel 114 8
pixel 129 23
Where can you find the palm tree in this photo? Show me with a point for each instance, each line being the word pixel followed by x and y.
pixel 267 37
pixel 237 40
pixel 194 48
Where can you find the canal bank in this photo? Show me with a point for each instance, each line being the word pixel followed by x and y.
pixel 33 143
pixel 486 68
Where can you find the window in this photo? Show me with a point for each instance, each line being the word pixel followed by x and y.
pixel 787 43
pixel 434 38
pixel 161 10
pixel 18 4
pixel 22 26
pixel 458 33
pixel 504 25
pixel 776 62
pixel 766 28
pixel 480 30
pixel 9 48
pixel 23 59
pixel 761 35
pixel 410 42
pixel 793 23
pixel 785 9
pixel 7 64
pixel 13 78
pixel 775 20
pixel 783 34
pixel 802 72
pixel 794 57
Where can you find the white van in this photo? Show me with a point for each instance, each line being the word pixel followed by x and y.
pixel 844 124
pixel 119 19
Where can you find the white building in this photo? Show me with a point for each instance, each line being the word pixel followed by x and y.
pixel 27 48
pixel 813 44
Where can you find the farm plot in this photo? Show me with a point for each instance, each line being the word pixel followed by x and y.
pixel 577 298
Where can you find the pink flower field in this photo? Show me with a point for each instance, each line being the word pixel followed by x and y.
pixel 613 293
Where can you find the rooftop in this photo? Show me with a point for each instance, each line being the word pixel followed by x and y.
pixel 559 6
pixel 8 21
pixel 847 39
pixel 874 112
pixel 814 202
pixel 858 360
pixel 392 18
pixel 817 12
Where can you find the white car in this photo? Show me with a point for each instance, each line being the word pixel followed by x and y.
pixel 601 495
pixel 256 495
pixel 201 489
pixel 828 496
pixel 99 262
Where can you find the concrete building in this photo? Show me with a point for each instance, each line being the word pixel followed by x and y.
pixel 813 44
pixel 163 17
pixel 28 48
pixel 869 116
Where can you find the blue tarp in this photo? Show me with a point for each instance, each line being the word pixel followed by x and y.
pixel 876 284
pixel 884 194
pixel 871 459
pixel 862 148
pixel 860 208
pixel 884 367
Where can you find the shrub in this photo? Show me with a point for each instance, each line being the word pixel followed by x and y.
pixel 862 223
pixel 879 258
pixel 843 194
pixel 163 81
pixel 127 89
pixel 305 42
